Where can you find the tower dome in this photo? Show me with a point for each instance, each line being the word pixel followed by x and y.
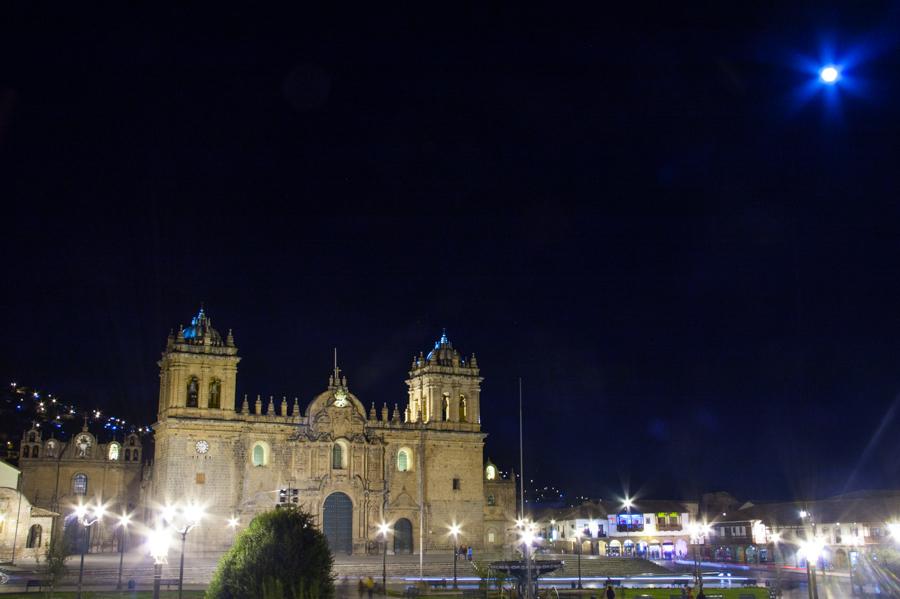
pixel 201 330
pixel 443 352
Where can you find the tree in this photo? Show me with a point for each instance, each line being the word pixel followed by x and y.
pixel 54 567
pixel 281 555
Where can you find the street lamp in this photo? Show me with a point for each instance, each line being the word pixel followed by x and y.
pixel 124 521
pixel 454 532
pixel 527 538
pixel 192 514
pixel 87 517
pixel 578 534
pixel 383 530
pixel 811 549
pixel 233 522
pixel 158 541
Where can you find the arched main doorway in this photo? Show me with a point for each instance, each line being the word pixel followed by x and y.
pixel 337 523
pixel 403 541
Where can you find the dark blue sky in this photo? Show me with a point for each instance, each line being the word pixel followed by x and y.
pixel 693 265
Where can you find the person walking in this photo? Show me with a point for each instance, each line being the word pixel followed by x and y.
pixel 610 593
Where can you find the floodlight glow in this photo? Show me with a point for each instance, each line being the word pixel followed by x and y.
pixel 811 549
pixel 158 542
pixel 233 522
pixel 894 530
pixel 193 513
pixel 804 513
pixel 776 537
pixel 384 529
pixel 124 520
pixel 81 511
pixel 168 513
pixel 99 511
pixel 829 74
pixel 455 530
pixel 519 522
pixel 527 537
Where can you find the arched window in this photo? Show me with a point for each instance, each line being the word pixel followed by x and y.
pixel 127 455
pixel 463 409
pixel 34 537
pixel 113 452
pixel 136 455
pixel 215 390
pixel 491 500
pixel 193 391
pixel 26 452
pixel 35 451
pixel 260 455
pixel 79 484
pixel 445 408
pixel 31 437
pixel 404 460
pixel 337 457
pixel 490 472
pixel 131 441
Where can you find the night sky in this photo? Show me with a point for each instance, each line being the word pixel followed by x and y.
pixel 688 249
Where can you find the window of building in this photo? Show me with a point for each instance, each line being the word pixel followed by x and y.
pixel 404 460
pixel 260 455
pixel 456 484
pixel 31 437
pixel 35 451
pixel 200 478
pixel 34 536
pixel 215 391
pixel 26 452
pixel 491 536
pixel 193 392
pixel 80 484
pixel 338 459
pixel 127 455
pixel 131 441
pixel 490 472
pixel 491 500
pixel 445 407
pixel 113 452
pixel 463 409
pixel 136 455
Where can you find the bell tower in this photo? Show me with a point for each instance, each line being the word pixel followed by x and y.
pixel 198 372
pixel 445 389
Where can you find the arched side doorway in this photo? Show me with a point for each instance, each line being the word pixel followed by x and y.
pixel 337 523
pixel 403 536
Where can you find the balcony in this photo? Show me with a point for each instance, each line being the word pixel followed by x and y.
pixel 669 527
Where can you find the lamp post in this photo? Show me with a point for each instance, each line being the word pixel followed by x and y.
pixel 578 534
pixel 158 540
pixel 124 521
pixel 192 515
pixel 454 532
pixel 383 530
pixel 527 538
pixel 811 548
pixel 87 517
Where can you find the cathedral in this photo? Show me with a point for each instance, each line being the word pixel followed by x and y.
pixel 417 465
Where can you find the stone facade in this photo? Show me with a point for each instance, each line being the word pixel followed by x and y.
pixel 58 476
pixel 418 467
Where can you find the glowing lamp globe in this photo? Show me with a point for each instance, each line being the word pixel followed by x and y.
pixel 829 74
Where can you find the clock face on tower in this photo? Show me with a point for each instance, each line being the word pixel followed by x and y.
pixel 202 447
pixel 340 399
pixel 83 443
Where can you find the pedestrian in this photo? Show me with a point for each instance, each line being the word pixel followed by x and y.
pixel 701 594
pixel 469 553
pixel 690 594
pixel 610 593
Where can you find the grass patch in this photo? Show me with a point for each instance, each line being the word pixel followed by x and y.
pixel 103 595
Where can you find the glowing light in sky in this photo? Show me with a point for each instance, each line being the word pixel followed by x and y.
pixel 829 74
